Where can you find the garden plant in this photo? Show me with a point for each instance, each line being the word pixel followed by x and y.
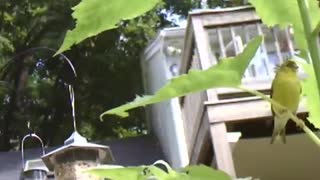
pixel 303 16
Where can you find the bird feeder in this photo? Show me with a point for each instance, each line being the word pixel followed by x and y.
pixel 33 169
pixel 76 155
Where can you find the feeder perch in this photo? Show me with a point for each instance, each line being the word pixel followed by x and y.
pixel 33 169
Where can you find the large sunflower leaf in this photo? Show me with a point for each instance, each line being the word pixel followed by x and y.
pixel 311 92
pixel 200 172
pixel 95 16
pixel 228 73
pixel 118 173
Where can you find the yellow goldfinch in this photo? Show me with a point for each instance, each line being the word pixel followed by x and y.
pixel 286 89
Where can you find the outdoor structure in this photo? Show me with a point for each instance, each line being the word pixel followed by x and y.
pixel 210 118
pixel 77 154
pixel 232 29
pixel 160 62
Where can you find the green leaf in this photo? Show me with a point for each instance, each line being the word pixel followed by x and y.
pixel 316 31
pixel 228 73
pixel 118 173
pixel 95 16
pixel 152 172
pixel 286 12
pixel 6 44
pixel 125 173
pixel 311 91
pixel 171 175
pixel 205 173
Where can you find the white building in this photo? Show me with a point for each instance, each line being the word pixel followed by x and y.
pixel 160 63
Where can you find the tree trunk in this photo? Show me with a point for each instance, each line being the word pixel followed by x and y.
pixel 20 81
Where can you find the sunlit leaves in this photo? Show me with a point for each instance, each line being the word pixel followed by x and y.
pixel 311 91
pixel 316 31
pixel 205 173
pixel 153 172
pixel 5 44
pixel 95 16
pixel 228 73
pixel 117 173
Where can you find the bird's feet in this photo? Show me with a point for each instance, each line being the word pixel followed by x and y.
pixel 300 124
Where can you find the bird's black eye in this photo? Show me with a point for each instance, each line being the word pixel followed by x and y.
pixel 292 64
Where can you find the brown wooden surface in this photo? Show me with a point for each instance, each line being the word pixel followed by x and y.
pixel 187 49
pixel 193 110
pixel 222 148
pixel 202 143
pixel 230 18
pixel 243 110
pixel 202 44
pixel 207 59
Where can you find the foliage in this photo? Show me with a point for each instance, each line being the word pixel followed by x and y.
pixel 154 172
pixel 24 24
pixel 310 89
pixel 101 63
pixel 45 94
pixel 228 73
pixel 105 17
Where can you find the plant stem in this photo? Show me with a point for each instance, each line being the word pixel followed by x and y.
pixel 298 121
pixel 311 37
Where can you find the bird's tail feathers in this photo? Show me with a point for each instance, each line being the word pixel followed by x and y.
pixel 278 134
pixel 279 130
